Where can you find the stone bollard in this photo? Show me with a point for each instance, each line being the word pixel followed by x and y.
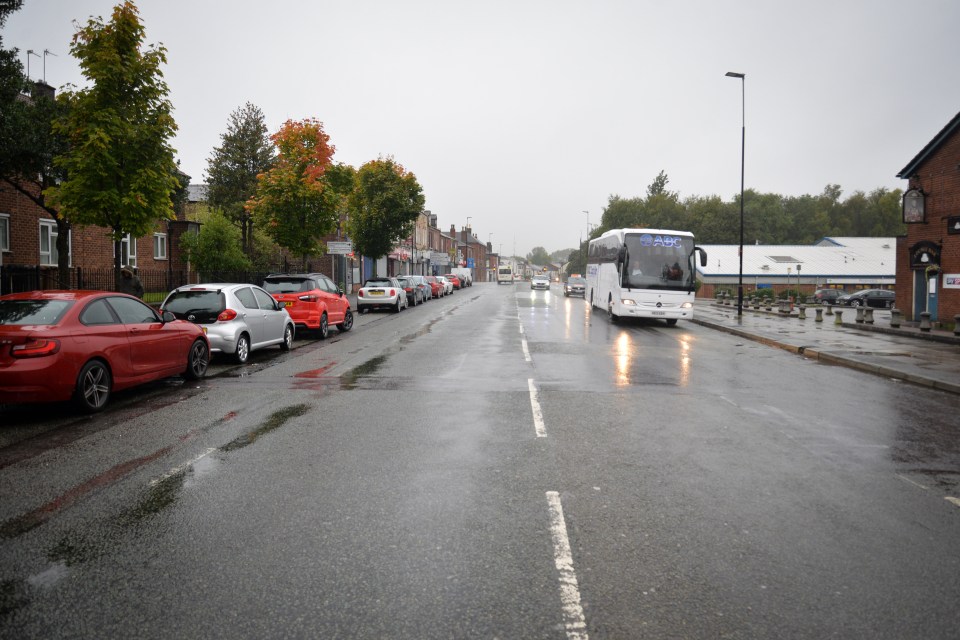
pixel 784 306
pixel 868 315
pixel 859 318
pixel 829 309
pixel 838 318
pixel 803 312
pixel 895 318
pixel 819 317
pixel 925 321
pixel 769 304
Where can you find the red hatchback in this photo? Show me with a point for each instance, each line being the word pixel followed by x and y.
pixel 84 345
pixel 455 279
pixel 312 300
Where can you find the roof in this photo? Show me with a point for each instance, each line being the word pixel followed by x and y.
pixel 829 258
pixel 932 146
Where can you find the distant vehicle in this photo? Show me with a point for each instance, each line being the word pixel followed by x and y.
pixel 465 274
pixel 575 286
pixel 643 273
pixel 313 300
pixel 504 274
pixel 424 285
pixel 875 298
pixel 414 292
pixel 84 345
pixel 455 280
pixel 381 293
pixel 447 285
pixel 828 296
pixel 237 318
pixel 436 286
pixel 540 282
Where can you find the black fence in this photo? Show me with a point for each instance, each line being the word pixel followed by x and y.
pixel 156 282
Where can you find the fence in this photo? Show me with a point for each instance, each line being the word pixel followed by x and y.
pixel 156 282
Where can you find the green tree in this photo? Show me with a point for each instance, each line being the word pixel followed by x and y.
pixel 245 152
pixel 120 172
pixel 538 256
pixel 384 206
pixel 295 202
pixel 216 248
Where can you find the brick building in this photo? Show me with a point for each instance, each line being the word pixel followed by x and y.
pixel 928 257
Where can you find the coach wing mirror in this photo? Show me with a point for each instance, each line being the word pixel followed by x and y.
pixel 703 256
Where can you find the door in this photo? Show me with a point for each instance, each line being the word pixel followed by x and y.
pixel 274 316
pixel 153 345
pixel 924 294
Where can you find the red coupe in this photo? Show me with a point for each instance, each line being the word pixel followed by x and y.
pixel 83 345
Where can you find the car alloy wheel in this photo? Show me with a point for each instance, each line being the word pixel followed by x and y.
pixel 287 343
pixel 324 330
pixel 93 386
pixel 243 349
pixel 347 323
pixel 198 360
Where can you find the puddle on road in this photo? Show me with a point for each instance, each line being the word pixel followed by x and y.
pixel 276 420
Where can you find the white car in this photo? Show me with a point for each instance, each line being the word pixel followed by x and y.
pixel 237 318
pixel 381 293
pixel 540 282
pixel 447 285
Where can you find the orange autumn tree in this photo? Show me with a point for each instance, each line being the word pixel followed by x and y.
pixel 296 203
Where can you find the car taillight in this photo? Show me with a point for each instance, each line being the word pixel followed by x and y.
pixel 393 292
pixel 308 298
pixel 360 293
pixel 35 348
pixel 226 315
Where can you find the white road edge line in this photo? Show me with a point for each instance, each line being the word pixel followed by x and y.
pixel 573 620
pixel 954 501
pixel 526 350
pixel 913 482
pixel 181 468
pixel 538 425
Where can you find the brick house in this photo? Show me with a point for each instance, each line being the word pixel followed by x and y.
pixel 928 257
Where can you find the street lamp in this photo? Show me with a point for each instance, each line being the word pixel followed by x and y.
pixel 743 145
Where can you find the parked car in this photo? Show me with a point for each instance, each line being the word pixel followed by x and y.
pixel 454 280
pixel 424 286
pixel 575 286
pixel 414 292
pixel 381 293
pixel 540 282
pixel 237 318
pixel 84 345
pixel 878 298
pixel 313 301
pixel 447 285
pixel 828 296
pixel 437 289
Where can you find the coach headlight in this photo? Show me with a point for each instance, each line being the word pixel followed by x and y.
pixel 686 305
pixel 628 302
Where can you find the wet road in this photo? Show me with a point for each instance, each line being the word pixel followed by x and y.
pixel 501 463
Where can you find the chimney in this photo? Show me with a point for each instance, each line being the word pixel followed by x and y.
pixel 453 230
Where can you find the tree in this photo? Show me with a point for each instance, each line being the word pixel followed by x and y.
pixel 245 152
pixel 538 256
pixel 216 248
pixel 295 203
pixel 120 172
pixel 384 206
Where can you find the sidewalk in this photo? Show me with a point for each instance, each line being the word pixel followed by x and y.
pixel 929 359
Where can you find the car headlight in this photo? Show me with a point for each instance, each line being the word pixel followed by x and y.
pixel 628 302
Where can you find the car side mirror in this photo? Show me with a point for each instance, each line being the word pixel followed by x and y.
pixel 167 316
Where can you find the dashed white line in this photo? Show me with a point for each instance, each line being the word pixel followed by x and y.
pixel 573 619
pixel 914 483
pixel 538 425
pixel 181 468
pixel 954 501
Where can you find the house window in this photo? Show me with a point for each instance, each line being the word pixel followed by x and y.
pixel 128 251
pixel 4 232
pixel 159 246
pixel 48 244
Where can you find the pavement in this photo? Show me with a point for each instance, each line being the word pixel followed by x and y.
pixel 930 359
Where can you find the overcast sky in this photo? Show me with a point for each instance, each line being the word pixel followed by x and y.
pixel 520 115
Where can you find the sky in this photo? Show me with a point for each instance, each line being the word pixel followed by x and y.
pixel 522 117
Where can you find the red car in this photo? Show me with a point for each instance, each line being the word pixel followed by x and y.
pixel 84 345
pixel 455 279
pixel 436 287
pixel 312 300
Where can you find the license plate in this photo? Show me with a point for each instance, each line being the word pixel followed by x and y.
pixel 659 313
pixel 376 293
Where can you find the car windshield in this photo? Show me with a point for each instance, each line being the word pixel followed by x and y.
pixel 33 311
pixel 576 281
pixel 378 283
pixel 288 285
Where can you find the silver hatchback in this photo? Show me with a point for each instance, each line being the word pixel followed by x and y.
pixel 237 318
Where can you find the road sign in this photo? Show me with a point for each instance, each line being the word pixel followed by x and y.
pixel 340 248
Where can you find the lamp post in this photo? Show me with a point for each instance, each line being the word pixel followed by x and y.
pixel 743 144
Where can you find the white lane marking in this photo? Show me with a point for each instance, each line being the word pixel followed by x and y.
pixel 181 468
pixel 526 350
pixel 537 413
pixel 914 483
pixel 954 501
pixel 573 619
